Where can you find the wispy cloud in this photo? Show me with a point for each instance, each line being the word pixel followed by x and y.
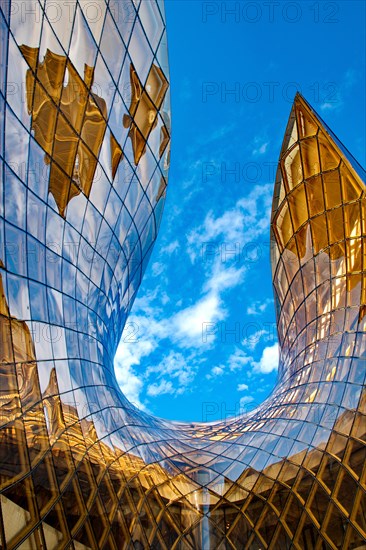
pixel 327 106
pixel 174 335
pixel 238 360
pixel 159 389
pixel 244 223
pixel 170 248
pixel 223 277
pixel 157 268
pixel 182 330
pixel 217 134
pixel 260 147
pixel 336 94
pixel 174 374
pixel 267 363
pixel 219 370
pixel 258 307
pixel 187 325
pixel 188 322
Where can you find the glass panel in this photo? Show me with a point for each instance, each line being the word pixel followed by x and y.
pixel 306 125
pixel 329 158
pixel 332 189
pixel 310 157
pixel 298 207
pixel 293 168
pixel 314 191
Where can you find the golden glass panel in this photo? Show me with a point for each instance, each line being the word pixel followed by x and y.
pixel 337 290
pixel 283 225
pixel 335 526
pixel 307 127
pixel 352 220
pixel 314 192
pixel 310 157
pixel 352 188
pixel 156 86
pixel 332 189
pixel 116 154
pixel 329 158
pixel 298 207
pixel 281 189
pixel 69 123
pixel 303 241
pixel 354 255
pixel 281 282
pixel 19 512
pixel 45 485
pixel 292 167
pixel 164 140
pixel 144 107
pixel 336 226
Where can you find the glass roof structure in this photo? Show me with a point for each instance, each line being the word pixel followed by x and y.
pixel 84 153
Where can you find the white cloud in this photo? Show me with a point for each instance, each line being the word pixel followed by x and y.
pixel 238 360
pixel 139 339
pixel 188 323
pixel 230 226
pixel 247 221
pixel 158 389
pixel 133 347
pixel 261 149
pixel 242 387
pixel 157 268
pixel 258 307
pixel 252 340
pixel 170 248
pixel 337 94
pixel 216 371
pixel 269 360
pixel 173 369
pixel 183 329
pixel 223 278
pixel 328 106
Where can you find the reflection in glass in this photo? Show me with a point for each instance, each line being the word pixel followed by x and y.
pixel 69 123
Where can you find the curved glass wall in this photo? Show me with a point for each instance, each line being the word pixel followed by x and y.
pixel 85 126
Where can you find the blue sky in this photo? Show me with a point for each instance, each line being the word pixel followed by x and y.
pixel 201 342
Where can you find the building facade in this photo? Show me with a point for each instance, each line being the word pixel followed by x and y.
pixel 85 131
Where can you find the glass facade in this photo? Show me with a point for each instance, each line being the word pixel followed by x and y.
pixel 84 144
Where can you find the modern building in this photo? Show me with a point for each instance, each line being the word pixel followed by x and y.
pixel 84 160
